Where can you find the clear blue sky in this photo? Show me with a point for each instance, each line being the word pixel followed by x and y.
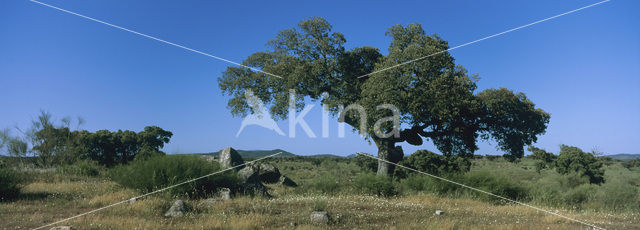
pixel 583 68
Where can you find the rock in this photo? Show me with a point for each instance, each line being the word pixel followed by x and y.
pixel 319 217
pixel 255 189
pixel 224 194
pixel 439 212
pixel 229 157
pixel 249 175
pixel 286 181
pixel 177 209
pixel 62 228
pixel 268 173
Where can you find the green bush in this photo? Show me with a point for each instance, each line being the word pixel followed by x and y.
pixel 81 168
pixel 498 185
pixel 326 184
pixel 162 171
pixel 631 164
pixel 435 164
pixel 9 180
pixel 485 181
pixel 573 159
pixel 372 184
pixel 366 163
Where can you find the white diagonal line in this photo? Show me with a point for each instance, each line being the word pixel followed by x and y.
pixel 482 191
pixel 485 38
pixel 154 38
pixel 157 191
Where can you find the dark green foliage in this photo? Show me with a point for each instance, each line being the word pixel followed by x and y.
pixel 544 158
pixel 631 164
pixel 56 144
pixel 432 163
pixel 162 171
pixel 81 168
pixel 111 148
pixel 512 120
pixel 435 97
pixel 372 184
pixel 572 159
pixel 366 163
pixel 9 181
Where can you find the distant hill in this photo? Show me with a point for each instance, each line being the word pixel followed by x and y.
pixel 259 153
pixel 624 156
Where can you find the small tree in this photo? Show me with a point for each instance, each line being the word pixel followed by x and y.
pixel 572 159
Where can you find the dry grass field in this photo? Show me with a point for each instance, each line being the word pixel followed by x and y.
pixel 51 197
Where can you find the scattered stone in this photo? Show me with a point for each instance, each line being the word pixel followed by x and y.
pixel 224 194
pixel 286 181
pixel 229 157
pixel 319 217
pixel 269 173
pixel 293 224
pixel 177 209
pixel 62 228
pixel 439 212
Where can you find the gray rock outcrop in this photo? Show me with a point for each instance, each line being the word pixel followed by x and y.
pixel 229 157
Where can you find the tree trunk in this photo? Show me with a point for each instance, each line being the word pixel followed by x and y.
pixel 389 152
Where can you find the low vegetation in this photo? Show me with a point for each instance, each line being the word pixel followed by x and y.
pixel 162 171
pixel 353 196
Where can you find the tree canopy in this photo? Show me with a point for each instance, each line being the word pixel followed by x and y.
pixel 432 99
pixel 54 143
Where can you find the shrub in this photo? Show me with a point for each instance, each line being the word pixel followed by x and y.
pixel 319 205
pixel 573 159
pixel 379 185
pixel 326 184
pixel 502 186
pixel 162 171
pixel 81 168
pixel 632 163
pixel 432 163
pixel 9 180
pixel 485 181
pixel 367 164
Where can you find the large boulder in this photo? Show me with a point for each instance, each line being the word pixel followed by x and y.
pixel 268 173
pixel 229 157
pixel 177 209
pixel 249 175
pixel 319 217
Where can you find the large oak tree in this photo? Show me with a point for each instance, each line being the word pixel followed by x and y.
pixel 435 98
